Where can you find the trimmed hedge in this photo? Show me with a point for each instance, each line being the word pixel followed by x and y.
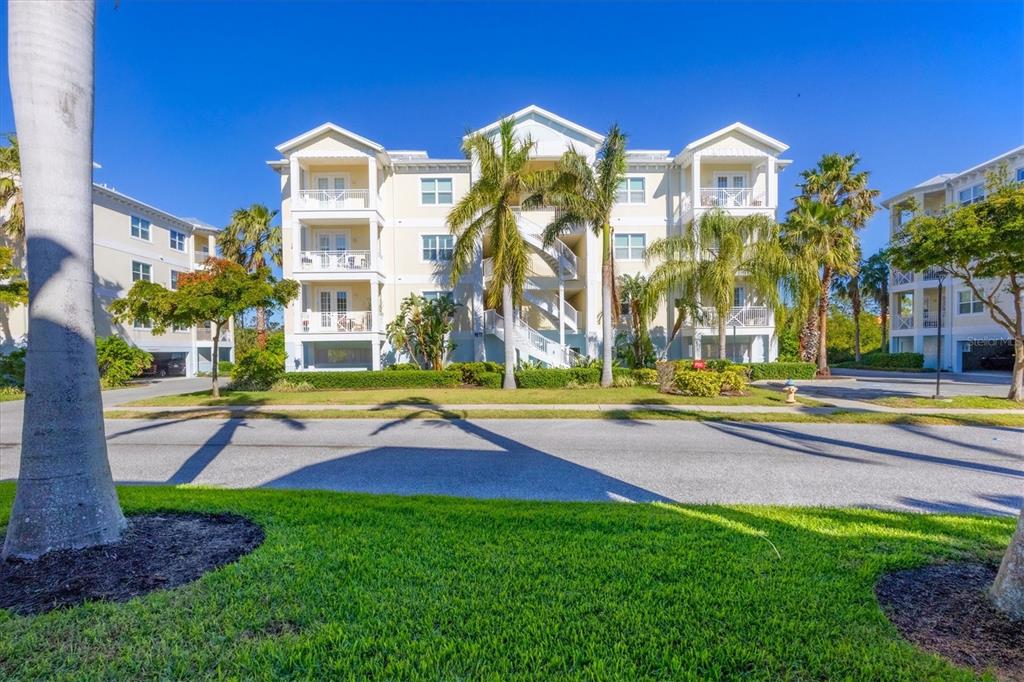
pixel 411 378
pixel 893 360
pixel 557 378
pixel 782 370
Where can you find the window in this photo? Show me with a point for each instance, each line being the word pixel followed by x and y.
pixel 436 190
pixel 630 191
pixel 971 195
pixel 181 328
pixel 438 247
pixel 140 228
pixel 143 271
pixel 739 296
pixel 437 295
pixel 968 303
pixel 174 280
pixel 630 246
pixel 141 323
pixel 177 240
pixel 906 216
pixel 1020 174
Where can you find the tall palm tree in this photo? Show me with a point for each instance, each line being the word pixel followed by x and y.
pixel 253 242
pixel 639 296
pixel 820 245
pixel 714 254
pixel 874 278
pixel 585 194
pixel 65 497
pixel 12 206
pixel 849 288
pixel 486 213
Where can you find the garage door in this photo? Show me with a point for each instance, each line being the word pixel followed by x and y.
pixel 985 355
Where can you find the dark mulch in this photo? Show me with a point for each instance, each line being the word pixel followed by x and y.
pixel 157 551
pixel 945 610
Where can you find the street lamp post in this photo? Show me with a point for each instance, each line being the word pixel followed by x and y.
pixel 938 345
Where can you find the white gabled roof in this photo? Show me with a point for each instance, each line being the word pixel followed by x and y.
pixel 743 128
pixel 544 113
pixel 328 127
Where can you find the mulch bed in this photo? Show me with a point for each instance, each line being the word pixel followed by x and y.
pixel 945 610
pixel 158 551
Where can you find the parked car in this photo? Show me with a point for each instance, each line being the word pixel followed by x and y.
pixel 169 367
pixel 1002 359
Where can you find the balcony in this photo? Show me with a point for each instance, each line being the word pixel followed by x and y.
pixel 206 334
pixel 900 278
pixel 902 322
pixel 731 197
pixel 932 275
pixel 739 316
pixel 930 320
pixel 201 256
pixel 334 199
pixel 348 322
pixel 334 261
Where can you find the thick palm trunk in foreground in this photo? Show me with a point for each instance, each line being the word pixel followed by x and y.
pixel 607 278
pixel 65 495
pixel 826 284
pixel 508 315
pixel 1008 589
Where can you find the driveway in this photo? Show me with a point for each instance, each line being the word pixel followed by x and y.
pixel 954 469
pixel 867 385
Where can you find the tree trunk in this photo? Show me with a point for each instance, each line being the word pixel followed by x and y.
pixel 215 389
pixel 607 312
pixel 885 324
pixel 261 327
pixel 826 283
pixel 5 326
pixel 510 336
pixel 809 337
pixel 856 321
pixel 65 495
pixel 1008 589
pixel 722 346
pixel 1017 380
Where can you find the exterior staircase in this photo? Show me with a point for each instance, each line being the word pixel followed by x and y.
pixel 531 343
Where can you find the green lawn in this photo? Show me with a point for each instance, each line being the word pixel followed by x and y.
pixel 960 401
pixel 10 393
pixel 357 586
pixel 466 395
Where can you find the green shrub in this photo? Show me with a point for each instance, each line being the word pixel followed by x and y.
pixel 782 370
pixel 288 386
pixel 257 370
pixel 490 379
pixel 11 393
pixel 225 367
pixel 420 378
pixel 699 383
pixel 623 380
pixel 735 379
pixel 402 366
pixel 471 371
pixel 893 360
pixel 558 377
pixel 119 361
pixel 645 376
pixel 12 368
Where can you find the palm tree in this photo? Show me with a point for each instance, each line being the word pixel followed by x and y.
pixel 486 213
pixel 638 295
pixel 820 246
pixel 714 254
pixel 874 278
pixel 585 194
pixel 849 288
pixel 251 241
pixel 65 497
pixel 12 205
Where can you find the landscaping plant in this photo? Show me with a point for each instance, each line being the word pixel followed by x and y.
pixel 119 361
pixel 422 328
pixel 254 243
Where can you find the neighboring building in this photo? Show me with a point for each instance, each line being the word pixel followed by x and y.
pixel 364 226
pixel 968 332
pixel 132 241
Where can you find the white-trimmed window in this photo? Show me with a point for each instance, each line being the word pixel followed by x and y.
pixel 142 271
pixel 438 247
pixel 968 303
pixel 142 323
pixel 630 191
pixel 739 296
pixel 177 240
pixel 906 215
pixel 140 228
pixel 181 328
pixel 630 246
pixel 436 191
pixel 971 195
pixel 174 279
pixel 437 295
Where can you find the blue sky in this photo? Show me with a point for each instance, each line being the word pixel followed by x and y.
pixel 192 97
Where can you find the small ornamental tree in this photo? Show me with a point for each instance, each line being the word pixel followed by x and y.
pixel 214 294
pixel 423 329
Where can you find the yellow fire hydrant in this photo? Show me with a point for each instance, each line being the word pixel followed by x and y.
pixel 790 390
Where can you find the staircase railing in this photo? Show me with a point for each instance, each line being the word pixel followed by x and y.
pixel 536 343
pixel 558 248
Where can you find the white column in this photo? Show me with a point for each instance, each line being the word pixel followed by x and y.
pixel 375 352
pixel 294 179
pixel 374 245
pixel 297 245
pixel 770 186
pixel 695 174
pixel 371 171
pixel 375 321
pixel 696 345
pixel 561 307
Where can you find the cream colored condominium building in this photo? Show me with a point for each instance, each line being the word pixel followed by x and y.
pixel 969 335
pixel 132 241
pixel 364 227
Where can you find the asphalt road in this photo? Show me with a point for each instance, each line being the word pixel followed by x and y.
pixel 957 469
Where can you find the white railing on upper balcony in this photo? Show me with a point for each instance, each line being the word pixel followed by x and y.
pixel 739 316
pixel 900 322
pixel 335 199
pixel 206 334
pixel 930 320
pixel 731 197
pixel 899 277
pixel 932 275
pixel 348 322
pixel 334 261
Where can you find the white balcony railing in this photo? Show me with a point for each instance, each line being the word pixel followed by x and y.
pixel 739 316
pixel 730 197
pixel 334 261
pixel 932 275
pixel 349 322
pixel 334 199
pixel 206 334
pixel 930 320
pixel 900 277
pixel 900 322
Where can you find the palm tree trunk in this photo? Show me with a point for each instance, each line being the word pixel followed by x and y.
pixel 885 324
pixel 826 283
pixel 215 389
pixel 722 346
pixel 5 326
pixel 607 312
pixel 261 327
pixel 508 313
pixel 856 320
pixel 65 496
pixel 1008 589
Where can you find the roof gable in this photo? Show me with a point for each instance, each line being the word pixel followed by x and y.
pixel 546 128
pixel 741 128
pixel 328 127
